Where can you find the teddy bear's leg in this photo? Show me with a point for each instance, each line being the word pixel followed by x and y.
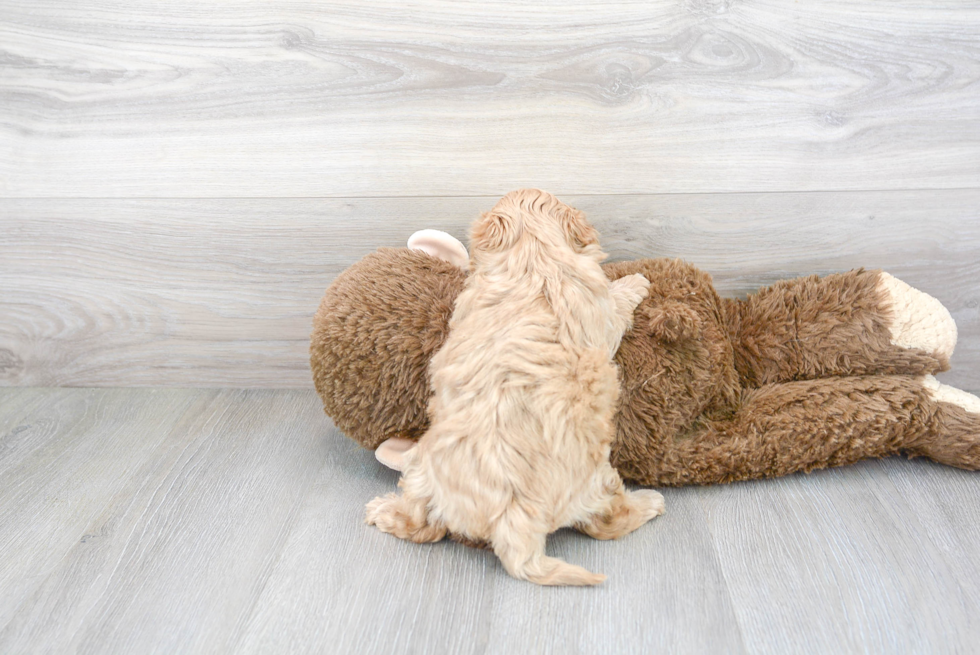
pixel 405 517
pixel 520 545
pixel 782 428
pixel 855 323
pixel 622 511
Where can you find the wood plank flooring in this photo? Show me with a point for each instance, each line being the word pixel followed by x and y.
pixel 180 181
pixel 207 521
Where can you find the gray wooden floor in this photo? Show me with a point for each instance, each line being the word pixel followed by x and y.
pixel 180 180
pixel 203 521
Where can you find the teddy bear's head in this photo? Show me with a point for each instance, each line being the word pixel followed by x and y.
pixel 376 330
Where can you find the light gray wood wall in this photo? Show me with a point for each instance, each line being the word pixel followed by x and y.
pixel 221 292
pixel 179 181
pixel 260 98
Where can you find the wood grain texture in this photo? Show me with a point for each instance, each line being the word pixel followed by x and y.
pixel 445 598
pixel 207 293
pixel 282 99
pixel 843 562
pixel 173 558
pixel 64 455
pixel 235 525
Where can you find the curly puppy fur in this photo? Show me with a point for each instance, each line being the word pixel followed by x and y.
pixel 524 393
pixel 807 373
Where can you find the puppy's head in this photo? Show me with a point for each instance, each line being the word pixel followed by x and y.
pixel 535 214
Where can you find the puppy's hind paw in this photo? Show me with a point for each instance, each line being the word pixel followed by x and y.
pixel 627 512
pixel 650 503
pixel 405 518
pixel 379 510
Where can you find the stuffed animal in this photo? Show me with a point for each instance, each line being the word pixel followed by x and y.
pixel 805 374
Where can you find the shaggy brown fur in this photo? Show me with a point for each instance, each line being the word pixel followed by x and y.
pixel 816 327
pixel 801 375
pixel 757 388
pixel 371 344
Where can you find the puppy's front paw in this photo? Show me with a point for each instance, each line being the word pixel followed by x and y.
pixel 638 284
pixel 632 289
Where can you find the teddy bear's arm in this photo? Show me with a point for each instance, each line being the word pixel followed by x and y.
pixel 779 429
pixel 855 323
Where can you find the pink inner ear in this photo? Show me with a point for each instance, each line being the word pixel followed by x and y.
pixel 441 245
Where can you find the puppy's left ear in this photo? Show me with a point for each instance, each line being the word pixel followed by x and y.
pixel 580 233
pixel 496 230
pixel 441 245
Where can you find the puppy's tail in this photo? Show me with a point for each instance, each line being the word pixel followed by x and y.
pixel 522 554
pixel 552 571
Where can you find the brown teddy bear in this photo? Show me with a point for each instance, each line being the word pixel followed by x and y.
pixel 808 373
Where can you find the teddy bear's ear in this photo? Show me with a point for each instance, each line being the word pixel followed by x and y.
pixel 441 245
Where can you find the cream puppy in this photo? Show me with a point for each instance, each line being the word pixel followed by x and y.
pixel 524 392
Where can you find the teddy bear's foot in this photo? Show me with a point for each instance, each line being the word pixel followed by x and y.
pixel 917 319
pixel 944 393
pixel 954 437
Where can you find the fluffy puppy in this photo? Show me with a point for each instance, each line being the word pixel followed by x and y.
pixel 524 392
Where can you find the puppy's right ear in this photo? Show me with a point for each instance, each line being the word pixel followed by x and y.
pixel 578 231
pixel 494 231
